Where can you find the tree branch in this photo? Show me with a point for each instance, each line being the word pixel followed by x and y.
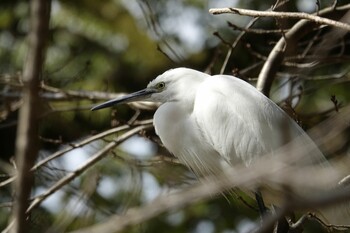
pixel 276 56
pixel 95 158
pixel 87 141
pixel 27 134
pixel 276 14
pixel 55 94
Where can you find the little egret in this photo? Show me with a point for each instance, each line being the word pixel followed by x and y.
pixel 211 122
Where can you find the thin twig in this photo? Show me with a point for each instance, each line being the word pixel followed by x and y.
pixel 240 36
pixel 94 159
pixel 8 181
pixel 77 145
pixel 254 30
pixel 153 23
pixel 328 226
pixel 87 141
pixel 234 44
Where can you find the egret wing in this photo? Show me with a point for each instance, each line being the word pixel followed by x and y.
pixel 241 123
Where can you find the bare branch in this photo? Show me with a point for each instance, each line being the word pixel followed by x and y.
pixel 87 141
pixel 77 145
pixel 277 54
pixel 154 23
pixel 234 44
pixel 94 159
pixel 254 30
pixel 240 36
pixel 27 135
pixel 276 14
pixel 55 94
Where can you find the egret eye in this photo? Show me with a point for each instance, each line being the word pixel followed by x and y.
pixel 160 86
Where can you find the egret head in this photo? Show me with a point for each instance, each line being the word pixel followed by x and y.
pixel 172 85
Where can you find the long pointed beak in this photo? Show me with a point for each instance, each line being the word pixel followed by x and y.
pixel 139 95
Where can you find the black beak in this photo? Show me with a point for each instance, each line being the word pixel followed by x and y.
pixel 136 96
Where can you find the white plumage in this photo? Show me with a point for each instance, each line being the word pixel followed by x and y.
pixel 212 122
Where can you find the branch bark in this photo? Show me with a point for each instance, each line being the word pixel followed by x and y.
pixel 27 134
pixel 296 15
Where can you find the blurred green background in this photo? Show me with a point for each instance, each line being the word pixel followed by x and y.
pixel 119 46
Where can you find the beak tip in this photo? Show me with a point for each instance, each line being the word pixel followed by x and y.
pixel 94 108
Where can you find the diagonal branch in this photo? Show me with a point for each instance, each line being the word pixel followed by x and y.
pixel 87 141
pixel 95 158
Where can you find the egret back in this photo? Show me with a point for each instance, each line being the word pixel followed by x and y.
pixel 242 124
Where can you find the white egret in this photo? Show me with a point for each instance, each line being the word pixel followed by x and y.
pixel 211 122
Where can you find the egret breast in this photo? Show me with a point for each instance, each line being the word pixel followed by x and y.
pixel 180 135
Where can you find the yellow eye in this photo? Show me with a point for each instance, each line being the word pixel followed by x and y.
pixel 160 86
